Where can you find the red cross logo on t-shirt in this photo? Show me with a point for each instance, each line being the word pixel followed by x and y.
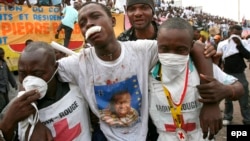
pixel 181 136
pixel 63 133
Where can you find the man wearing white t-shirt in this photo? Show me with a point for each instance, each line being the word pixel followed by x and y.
pixel 111 66
pixel 63 108
pixel 233 51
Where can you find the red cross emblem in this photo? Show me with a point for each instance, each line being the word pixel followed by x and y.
pixel 63 133
pixel 185 126
pixel 181 136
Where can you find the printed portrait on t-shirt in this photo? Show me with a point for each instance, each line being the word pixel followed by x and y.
pixel 119 103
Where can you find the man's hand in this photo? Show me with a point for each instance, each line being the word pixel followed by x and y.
pixel 210 120
pixel 210 117
pixel 209 50
pixel 216 58
pixel 213 91
pixel 20 108
pixel 237 41
pixel 41 133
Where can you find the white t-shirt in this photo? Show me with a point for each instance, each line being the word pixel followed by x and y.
pixel 160 110
pixel 119 4
pixel 99 80
pixel 164 6
pixel 228 47
pixel 68 117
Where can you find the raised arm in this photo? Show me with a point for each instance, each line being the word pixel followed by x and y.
pixel 202 62
pixel 210 116
pixel 243 51
pixel 17 110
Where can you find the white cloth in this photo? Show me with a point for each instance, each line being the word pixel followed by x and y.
pixel 131 68
pixel 103 2
pixel 160 111
pixel 228 47
pixel 31 83
pixel 68 118
pixel 32 2
pixel 120 5
pixel 164 6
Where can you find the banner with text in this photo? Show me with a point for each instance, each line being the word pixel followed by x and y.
pixel 38 24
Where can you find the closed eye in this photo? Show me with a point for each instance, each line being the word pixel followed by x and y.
pixel 182 50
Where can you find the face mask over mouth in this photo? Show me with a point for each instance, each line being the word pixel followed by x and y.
pixel 35 83
pixel 32 82
pixel 172 65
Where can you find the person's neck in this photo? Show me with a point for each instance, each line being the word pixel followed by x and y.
pixel 147 33
pixel 52 88
pixel 109 52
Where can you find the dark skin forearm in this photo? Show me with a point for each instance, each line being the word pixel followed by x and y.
pixel 215 91
pixel 203 64
pixel 17 110
pixel 237 91
pixel 7 129
pixel 245 53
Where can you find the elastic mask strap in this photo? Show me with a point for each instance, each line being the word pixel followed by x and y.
pixel 52 76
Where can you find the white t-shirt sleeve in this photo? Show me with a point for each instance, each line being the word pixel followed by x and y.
pixel 68 69
pixel 223 77
pixel 246 45
pixel 149 49
pixel 220 47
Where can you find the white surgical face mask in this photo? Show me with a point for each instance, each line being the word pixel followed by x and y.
pixel 32 82
pixel 172 65
pixel 35 83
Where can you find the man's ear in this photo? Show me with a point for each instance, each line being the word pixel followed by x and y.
pixel 113 21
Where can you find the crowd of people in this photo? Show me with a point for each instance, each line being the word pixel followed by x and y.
pixel 152 82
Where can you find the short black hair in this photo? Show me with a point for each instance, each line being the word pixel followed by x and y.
pixel 236 27
pixel 35 45
pixel 28 41
pixel 178 23
pixel 104 7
